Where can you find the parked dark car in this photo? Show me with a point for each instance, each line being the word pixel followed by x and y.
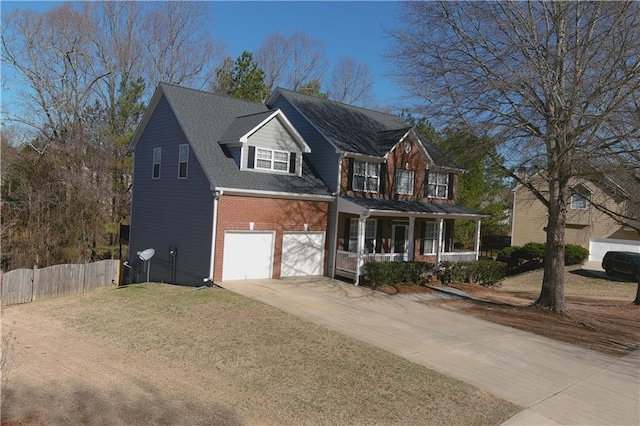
pixel 622 262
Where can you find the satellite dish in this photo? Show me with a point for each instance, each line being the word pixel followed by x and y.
pixel 146 254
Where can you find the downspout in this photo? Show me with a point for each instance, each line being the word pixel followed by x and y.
pixel 214 231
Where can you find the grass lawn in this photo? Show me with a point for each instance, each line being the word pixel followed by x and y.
pixel 262 365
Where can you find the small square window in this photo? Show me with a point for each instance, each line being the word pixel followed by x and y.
pixel 157 157
pixel 578 202
pixel 183 161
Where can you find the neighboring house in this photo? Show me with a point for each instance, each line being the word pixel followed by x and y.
pixel 227 189
pixel 222 191
pixel 587 225
pixel 395 193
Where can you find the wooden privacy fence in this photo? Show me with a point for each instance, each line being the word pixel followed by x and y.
pixel 27 285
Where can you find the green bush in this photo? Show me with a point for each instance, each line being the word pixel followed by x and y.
pixel 484 272
pixel 575 254
pixel 506 254
pixel 378 274
pixel 533 251
pixel 513 256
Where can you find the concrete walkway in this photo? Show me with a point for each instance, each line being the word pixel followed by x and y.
pixel 555 382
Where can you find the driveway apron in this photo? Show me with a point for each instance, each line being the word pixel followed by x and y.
pixel 555 382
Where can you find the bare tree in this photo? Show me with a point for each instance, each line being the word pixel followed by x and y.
pixel 307 60
pixel 272 57
pixel 178 48
pixel 554 84
pixel 292 61
pixel 351 82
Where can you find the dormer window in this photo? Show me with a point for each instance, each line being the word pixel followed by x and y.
pixel 271 160
pixel 366 176
pixel 437 185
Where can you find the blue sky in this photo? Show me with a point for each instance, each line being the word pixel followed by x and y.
pixel 353 29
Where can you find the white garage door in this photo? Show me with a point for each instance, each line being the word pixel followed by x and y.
pixel 599 246
pixel 302 253
pixel 247 255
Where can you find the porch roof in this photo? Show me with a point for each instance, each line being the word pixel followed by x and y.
pixel 387 207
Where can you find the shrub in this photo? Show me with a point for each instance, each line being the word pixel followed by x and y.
pixel 378 274
pixel 575 254
pixel 533 251
pixel 506 254
pixel 484 272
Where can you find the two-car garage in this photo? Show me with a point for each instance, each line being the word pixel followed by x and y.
pixel 251 254
pixel 599 246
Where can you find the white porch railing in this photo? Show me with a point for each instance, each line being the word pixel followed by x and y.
pixel 348 261
pixel 455 256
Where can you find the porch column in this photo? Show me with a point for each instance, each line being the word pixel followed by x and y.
pixel 412 226
pixel 362 226
pixel 440 242
pixel 477 238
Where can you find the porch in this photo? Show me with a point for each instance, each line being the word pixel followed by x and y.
pixel 398 231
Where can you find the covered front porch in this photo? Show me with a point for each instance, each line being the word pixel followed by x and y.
pixel 382 230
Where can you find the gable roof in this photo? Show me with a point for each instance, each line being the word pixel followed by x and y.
pixel 205 118
pixel 357 130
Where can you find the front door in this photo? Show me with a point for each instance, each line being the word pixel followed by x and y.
pixel 399 239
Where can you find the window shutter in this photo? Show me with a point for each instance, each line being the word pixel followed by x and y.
pixel 292 162
pixel 426 183
pixel 350 174
pixel 382 182
pixel 251 158
pixel 424 229
pixel 345 233
pixel 450 188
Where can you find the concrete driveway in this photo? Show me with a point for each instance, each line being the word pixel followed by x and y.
pixel 555 382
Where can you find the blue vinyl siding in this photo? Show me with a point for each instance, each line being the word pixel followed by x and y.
pixel 170 212
pixel 323 156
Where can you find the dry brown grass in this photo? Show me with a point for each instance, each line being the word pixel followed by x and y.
pixel 255 363
pixel 579 286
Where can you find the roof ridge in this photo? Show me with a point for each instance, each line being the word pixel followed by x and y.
pixel 338 103
pixel 206 92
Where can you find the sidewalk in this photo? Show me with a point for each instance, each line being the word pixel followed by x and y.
pixel 555 383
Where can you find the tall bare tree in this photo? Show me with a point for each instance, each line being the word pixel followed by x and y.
pixel 292 61
pixel 177 44
pixel 554 84
pixel 351 82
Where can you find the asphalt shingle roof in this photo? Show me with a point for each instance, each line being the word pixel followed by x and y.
pixel 206 117
pixel 358 130
pixel 411 206
pixel 242 125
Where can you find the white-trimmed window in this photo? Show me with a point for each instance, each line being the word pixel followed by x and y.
pixel 404 182
pixel 183 161
pixel 438 185
pixel 369 235
pixel 366 176
pixel 271 159
pixel 430 238
pixel 579 202
pixel 157 157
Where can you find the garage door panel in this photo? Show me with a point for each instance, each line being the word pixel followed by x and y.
pixel 247 255
pixel 599 246
pixel 302 254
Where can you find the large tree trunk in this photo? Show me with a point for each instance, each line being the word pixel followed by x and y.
pixel 552 293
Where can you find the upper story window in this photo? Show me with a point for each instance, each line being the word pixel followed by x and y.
pixel 404 182
pixel 369 235
pixel 366 176
pixel 438 185
pixel 270 159
pixel 183 161
pixel 157 157
pixel 578 202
